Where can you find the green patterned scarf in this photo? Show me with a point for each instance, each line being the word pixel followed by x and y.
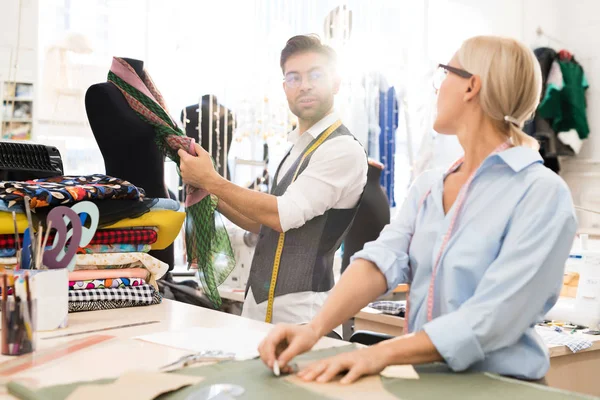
pixel 206 240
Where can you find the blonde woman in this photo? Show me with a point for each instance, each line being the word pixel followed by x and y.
pixel 483 245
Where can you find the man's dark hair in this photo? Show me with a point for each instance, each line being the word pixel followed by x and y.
pixel 306 43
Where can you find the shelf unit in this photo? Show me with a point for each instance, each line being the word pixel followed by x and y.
pixel 16 112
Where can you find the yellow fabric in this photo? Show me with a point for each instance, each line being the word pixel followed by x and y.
pixel 168 222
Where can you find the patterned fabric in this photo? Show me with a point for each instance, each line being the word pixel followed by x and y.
pixel 103 236
pixel 390 307
pixel 114 248
pixel 77 306
pixel 67 190
pixel 205 242
pixel 137 294
pixel 10 252
pixel 155 267
pixel 131 273
pixel 556 337
pixel 105 283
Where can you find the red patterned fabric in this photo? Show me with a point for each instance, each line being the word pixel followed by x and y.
pixel 103 236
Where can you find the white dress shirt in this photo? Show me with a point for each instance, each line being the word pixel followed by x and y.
pixel 334 178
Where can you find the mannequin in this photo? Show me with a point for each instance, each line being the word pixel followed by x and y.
pixel 191 129
pixel 372 216
pixel 127 143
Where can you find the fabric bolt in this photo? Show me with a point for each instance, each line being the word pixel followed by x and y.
pixel 101 237
pixel 511 259
pixel 79 306
pixel 105 283
pixel 8 260
pixel 122 260
pixel 10 252
pixel 137 294
pixel 166 204
pixel 390 307
pixel 114 248
pixel 109 211
pixel 67 190
pixel 95 274
pixel 205 241
pixel 167 223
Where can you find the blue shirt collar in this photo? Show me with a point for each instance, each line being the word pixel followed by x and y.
pixel 520 157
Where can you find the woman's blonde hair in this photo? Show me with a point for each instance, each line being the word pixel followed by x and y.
pixel 511 82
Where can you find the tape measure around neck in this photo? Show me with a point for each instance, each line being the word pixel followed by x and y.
pixel 460 199
pixel 280 242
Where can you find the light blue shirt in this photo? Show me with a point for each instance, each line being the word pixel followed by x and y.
pixel 501 271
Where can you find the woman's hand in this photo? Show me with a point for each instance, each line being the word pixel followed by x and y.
pixel 369 361
pixel 285 342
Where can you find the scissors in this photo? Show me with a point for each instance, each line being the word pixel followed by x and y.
pixel 203 356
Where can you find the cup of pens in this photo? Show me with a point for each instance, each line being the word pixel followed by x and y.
pixel 18 315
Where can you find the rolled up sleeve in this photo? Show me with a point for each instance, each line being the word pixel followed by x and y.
pixel 338 169
pixel 518 288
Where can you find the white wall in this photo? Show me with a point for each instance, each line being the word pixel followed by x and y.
pixel 9 12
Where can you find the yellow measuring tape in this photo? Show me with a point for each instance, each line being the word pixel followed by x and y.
pixel 279 250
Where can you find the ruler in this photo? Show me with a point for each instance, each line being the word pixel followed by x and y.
pixel 42 357
pixel 101 330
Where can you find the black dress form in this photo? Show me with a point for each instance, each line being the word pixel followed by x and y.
pixel 191 129
pixel 127 143
pixel 372 215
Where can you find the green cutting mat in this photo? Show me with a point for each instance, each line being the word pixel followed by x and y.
pixel 436 382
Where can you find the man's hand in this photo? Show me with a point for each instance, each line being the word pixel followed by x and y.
pixel 197 171
pixel 285 342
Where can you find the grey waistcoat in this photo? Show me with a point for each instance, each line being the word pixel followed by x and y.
pixel 307 258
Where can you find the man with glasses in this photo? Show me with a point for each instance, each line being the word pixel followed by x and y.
pixel 315 194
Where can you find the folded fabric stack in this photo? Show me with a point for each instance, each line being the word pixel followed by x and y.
pixel 114 269
pixel 397 308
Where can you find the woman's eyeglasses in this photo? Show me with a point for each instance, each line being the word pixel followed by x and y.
pixel 442 72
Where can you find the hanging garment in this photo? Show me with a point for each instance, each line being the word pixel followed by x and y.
pixel 68 190
pixel 105 283
pixel 101 237
pixel 566 106
pixel 388 122
pixel 204 240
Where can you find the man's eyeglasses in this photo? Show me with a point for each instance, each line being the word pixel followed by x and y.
pixel 293 80
pixel 442 72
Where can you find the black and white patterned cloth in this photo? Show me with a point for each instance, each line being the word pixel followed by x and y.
pixel 77 306
pixel 397 308
pixel 142 294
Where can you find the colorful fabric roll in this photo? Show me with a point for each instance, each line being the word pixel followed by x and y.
pixel 103 236
pixel 68 190
pixel 131 273
pixel 114 248
pixel 77 306
pixel 138 294
pixel 10 252
pixel 105 283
